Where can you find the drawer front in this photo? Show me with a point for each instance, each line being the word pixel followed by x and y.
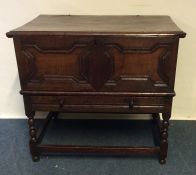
pixel 100 104
pixel 96 63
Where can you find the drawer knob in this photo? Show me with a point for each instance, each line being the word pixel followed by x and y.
pixel 61 103
pixel 131 103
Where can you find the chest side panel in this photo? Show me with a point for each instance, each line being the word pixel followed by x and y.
pixel 96 63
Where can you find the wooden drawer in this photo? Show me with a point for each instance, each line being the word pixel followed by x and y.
pixel 97 63
pixel 100 104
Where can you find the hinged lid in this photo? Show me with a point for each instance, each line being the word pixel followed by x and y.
pixel 99 25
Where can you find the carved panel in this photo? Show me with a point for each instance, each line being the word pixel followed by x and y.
pixel 39 74
pixel 96 64
pixel 30 67
pixel 150 63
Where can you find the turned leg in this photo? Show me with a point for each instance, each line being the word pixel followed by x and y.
pixel 164 138
pixel 33 136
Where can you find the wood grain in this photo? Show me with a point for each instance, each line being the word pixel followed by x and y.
pixel 75 24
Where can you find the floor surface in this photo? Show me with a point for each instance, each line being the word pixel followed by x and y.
pixel 16 160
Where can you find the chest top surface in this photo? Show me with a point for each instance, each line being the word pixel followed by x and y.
pixel 84 24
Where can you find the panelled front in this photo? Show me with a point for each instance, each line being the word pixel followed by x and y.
pixel 96 63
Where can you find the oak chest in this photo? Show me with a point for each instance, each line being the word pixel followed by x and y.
pixel 114 64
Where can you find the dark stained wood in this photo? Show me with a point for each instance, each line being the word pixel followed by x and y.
pixel 100 103
pixel 164 137
pixel 98 149
pixel 73 24
pixel 33 136
pixel 94 59
pixel 111 64
pixel 128 94
pixel 156 72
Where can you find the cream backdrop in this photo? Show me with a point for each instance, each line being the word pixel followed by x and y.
pixel 14 13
